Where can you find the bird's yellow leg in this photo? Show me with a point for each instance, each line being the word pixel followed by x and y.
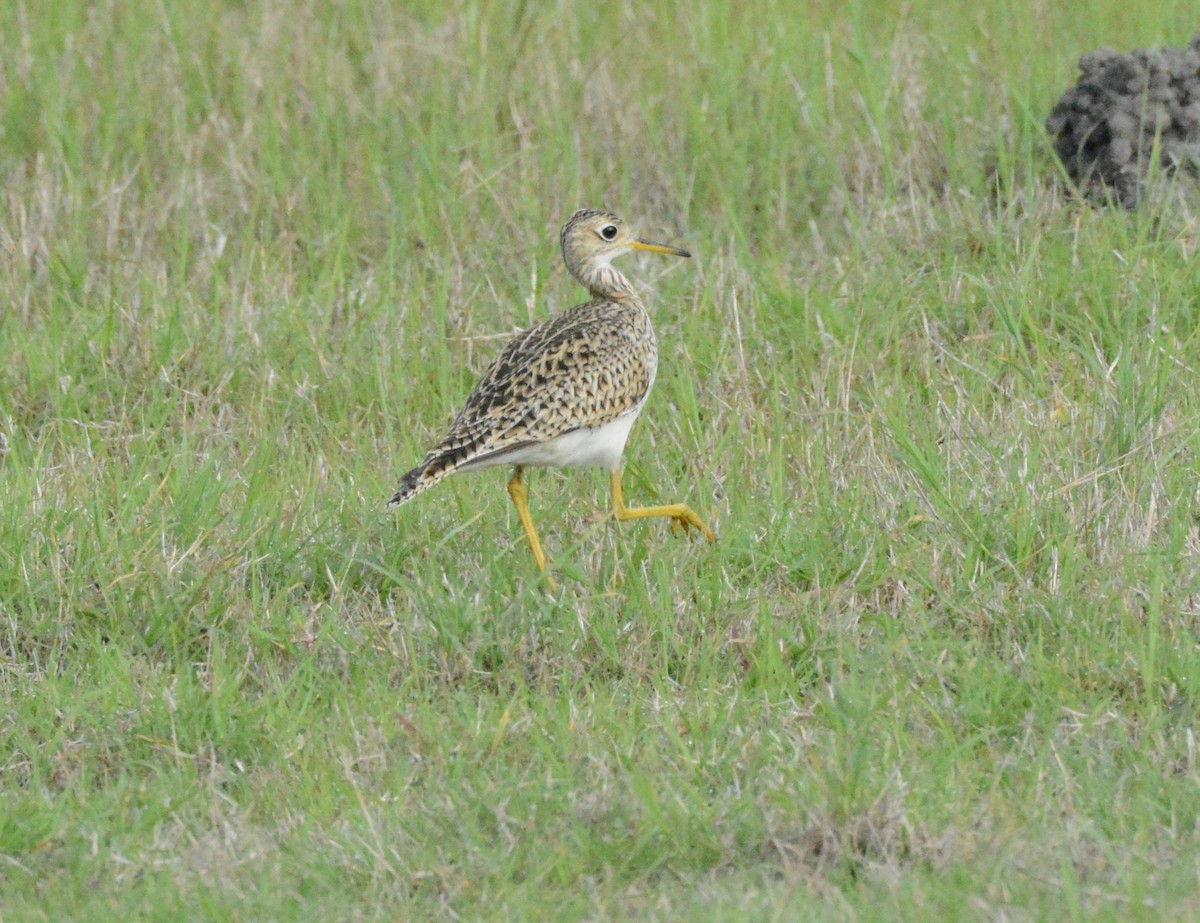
pixel 681 515
pixel 520 493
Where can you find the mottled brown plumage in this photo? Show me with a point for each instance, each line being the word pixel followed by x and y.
pixel 565 392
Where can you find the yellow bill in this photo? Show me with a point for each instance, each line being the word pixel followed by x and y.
pixel 650 246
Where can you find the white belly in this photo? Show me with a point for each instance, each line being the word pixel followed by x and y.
pixel 588 447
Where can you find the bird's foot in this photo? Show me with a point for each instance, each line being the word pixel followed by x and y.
pixel 685 520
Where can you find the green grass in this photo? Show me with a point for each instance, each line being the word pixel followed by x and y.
pixel 942 661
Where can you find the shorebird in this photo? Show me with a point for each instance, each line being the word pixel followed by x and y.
pixel 566 392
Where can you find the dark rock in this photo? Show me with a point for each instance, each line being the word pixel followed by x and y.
pixel 1106 127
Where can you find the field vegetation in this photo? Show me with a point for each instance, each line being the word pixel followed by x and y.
pixel 942 662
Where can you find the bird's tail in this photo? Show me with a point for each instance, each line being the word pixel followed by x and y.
pixel 420 479
pixel 410 485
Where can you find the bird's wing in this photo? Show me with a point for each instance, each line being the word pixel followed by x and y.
pixel 579 369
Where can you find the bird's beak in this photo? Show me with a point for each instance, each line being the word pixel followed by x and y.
pixel 639 244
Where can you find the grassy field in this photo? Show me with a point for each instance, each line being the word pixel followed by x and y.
pixel 943 659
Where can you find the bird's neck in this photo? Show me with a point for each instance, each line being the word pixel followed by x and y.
pixel 603 281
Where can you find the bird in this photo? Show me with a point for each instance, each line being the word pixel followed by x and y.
pixel 566 392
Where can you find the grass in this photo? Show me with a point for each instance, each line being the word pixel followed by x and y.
pixel 942 662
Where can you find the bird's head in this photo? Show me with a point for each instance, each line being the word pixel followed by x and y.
pixel 592 239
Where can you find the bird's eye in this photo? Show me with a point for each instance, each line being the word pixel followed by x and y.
pixel 609 232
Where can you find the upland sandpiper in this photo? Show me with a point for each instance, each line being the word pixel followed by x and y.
pixel 566 392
